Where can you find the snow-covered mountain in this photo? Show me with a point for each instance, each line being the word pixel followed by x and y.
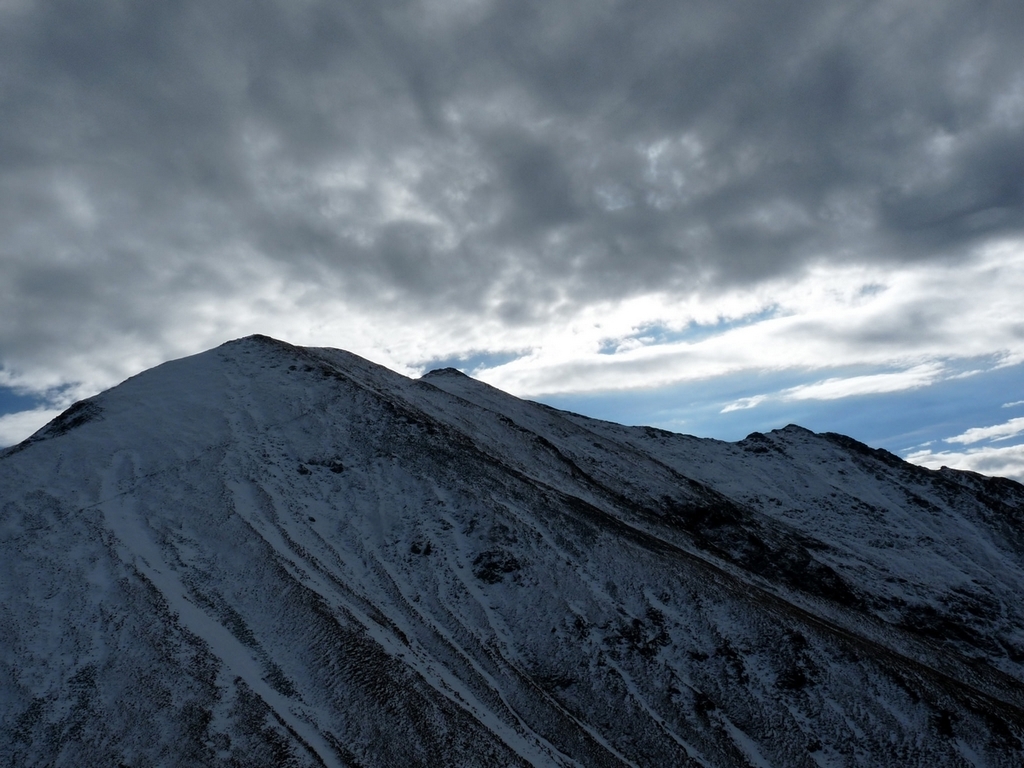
pixel 272 555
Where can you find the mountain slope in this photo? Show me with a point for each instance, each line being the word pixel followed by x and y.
pixel 266 554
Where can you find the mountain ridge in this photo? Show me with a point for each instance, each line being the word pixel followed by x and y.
pixel 477 579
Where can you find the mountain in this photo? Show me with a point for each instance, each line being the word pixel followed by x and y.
pixel 274 555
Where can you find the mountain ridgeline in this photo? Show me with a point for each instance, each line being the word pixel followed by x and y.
pixel 274 555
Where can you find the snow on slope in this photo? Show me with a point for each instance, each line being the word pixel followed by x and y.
pixel 268 555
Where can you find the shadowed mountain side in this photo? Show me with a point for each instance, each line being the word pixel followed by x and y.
pixel 267 554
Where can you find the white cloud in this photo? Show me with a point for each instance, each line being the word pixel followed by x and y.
pixel 1004 431
pixel 851 386
pixel 922 321
pixel 15 427
pixel 873 384
pixel 744 403
pixel 1003 461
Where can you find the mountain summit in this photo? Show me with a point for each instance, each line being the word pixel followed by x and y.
pixel 274 555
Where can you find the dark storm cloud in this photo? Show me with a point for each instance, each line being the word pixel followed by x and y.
pixel 498 157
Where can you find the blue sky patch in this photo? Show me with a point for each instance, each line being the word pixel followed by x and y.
pixel 897 421
pixel 13 402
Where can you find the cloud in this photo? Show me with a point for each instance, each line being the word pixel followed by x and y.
pixel 872 384
pixel 422 180
pixel 15 427
pixel 1004 431
pixel 1003 461
pixel 991 459
pixel 925 324
pixel 744 403
pixel 837 388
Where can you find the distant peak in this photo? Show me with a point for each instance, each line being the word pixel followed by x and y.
pixel 789 429
pixel 794 428
pixel 444 372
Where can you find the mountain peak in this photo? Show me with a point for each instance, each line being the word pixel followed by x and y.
pixel 258 338
pixel 259 341
pixel 436 372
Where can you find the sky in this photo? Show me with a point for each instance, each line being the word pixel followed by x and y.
pixel 712 217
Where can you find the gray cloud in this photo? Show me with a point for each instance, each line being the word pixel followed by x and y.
pixel 496 158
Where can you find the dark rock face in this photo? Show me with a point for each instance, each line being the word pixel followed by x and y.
pixel 306 559
pixel 75 416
